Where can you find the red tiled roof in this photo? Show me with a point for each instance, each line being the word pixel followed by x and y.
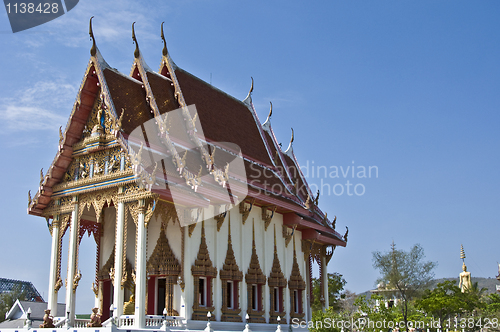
pixel 224 119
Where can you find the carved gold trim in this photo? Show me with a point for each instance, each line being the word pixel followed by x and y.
pixel 163 261
pixel 245 208
pixel 220 219
pixel 267 215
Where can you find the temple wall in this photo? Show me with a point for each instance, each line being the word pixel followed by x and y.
pixel 242 246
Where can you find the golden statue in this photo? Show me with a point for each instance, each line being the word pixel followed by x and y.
pixel 129 307
pixel 465 280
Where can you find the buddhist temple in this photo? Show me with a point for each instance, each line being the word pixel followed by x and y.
pixel 195 209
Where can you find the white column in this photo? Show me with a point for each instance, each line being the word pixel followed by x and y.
pixel 324 278
pixel 117 284
pixel 306 299
pixel 54 255
pixel 140 274
pixel 73 243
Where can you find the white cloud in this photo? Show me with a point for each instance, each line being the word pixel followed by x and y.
pixel 37 108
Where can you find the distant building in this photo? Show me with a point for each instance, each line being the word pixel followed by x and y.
pixel 16 316
pixel 8 285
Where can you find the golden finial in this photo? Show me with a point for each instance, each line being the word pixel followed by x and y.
pixel 29 198
pixel 93 49
pixel 136 52
pixel 307 204
pixel 61 137
pixel 462 253
pixel 251 87
pixel 270 111
pixel 346 233
pixel 41 176
pixel 165 51
pixel 291 140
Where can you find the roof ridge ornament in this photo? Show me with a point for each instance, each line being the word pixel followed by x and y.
pixel 136 52
pixel 93 50
pixel 289 149
pixel 165 51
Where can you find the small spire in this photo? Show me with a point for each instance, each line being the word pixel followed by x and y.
pixel 294 253
pixel 462 253
pixel 203 228
pixel 165 51
pixel 136 52
pixel 93 49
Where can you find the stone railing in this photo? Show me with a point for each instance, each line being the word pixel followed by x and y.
pixel 151 321
pixel 79 322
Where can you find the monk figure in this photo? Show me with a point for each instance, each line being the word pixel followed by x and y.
pixel 95 319
pixel 465 282
pixel 129 307
pixel 48 319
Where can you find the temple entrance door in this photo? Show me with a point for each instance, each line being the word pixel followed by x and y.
pixel 107 298
pixel 161 292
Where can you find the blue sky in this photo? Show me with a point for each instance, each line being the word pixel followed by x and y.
pixel 411 87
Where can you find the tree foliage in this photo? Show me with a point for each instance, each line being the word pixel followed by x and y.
pixel 404 274
pixel 8 299
pixel 336 285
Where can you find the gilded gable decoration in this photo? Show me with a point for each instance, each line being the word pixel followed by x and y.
pixel 230 272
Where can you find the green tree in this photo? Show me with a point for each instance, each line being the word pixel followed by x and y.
pixel 336 285
pixel 443 302
pixel 446 302
pixel 405 274
pixel 8 299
